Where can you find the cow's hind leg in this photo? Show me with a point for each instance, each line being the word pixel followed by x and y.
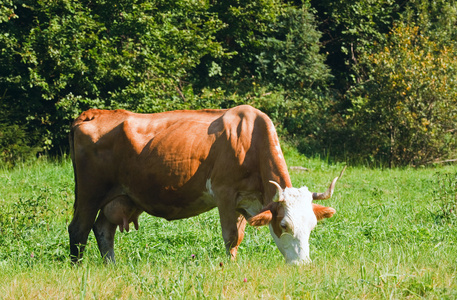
pixel 79 230
pixel 104 233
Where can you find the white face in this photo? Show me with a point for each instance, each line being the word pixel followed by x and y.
pixel 296 225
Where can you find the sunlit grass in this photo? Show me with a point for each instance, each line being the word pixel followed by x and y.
pixel 385 241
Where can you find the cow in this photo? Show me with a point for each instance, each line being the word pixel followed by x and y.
pixel 179 164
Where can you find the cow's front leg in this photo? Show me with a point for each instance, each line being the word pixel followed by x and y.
pixel 104 233
pixel 233 225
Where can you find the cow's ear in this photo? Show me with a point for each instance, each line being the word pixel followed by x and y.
pixel 323 212
pixel 261 219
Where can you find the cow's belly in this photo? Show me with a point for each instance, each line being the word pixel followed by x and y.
pixel 169 184
pixel 173 205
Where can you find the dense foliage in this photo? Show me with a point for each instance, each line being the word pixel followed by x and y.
pixel 395 80
pixel 408 102
pixel 405 107
pixel 359 80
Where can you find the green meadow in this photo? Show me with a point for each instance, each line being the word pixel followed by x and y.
pixel 394 236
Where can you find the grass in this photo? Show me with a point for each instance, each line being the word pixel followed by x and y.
pixel 388 240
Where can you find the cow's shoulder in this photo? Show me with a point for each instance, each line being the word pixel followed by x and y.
pixel 246 122
pixel 245 111
pixel 246 115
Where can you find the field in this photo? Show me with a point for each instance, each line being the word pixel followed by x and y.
pixel 394 236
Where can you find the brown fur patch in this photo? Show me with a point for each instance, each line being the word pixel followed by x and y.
pixel 265 216
pixel 323 212
pixel 261 219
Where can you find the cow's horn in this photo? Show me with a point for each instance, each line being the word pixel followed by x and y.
pixel 279 197
pixel 329 192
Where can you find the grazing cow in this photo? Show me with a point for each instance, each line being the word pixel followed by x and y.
pixel 180 164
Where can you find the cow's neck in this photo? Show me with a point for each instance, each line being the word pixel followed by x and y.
pixel 273 166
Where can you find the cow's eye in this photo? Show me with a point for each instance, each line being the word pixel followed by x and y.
pixel 283 226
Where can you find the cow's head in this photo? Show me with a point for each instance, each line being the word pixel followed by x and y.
pixel 291 217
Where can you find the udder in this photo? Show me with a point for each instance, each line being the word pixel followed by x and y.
pixel 122 211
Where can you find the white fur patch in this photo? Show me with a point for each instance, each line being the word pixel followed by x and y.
pixel 250 203
pixel 208 187
pixel 208 196
pixel 300 220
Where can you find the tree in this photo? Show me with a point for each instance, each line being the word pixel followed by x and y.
pixel 274 62
pixel 349 29
pixel 405 110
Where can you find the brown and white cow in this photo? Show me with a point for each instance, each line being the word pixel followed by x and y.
pixel 180 164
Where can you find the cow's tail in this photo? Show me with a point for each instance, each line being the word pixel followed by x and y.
pixel 71 138
pixel 84 117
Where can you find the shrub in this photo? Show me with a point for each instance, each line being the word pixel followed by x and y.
pixel 15 146
pixel 16 142
pixel 405 112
